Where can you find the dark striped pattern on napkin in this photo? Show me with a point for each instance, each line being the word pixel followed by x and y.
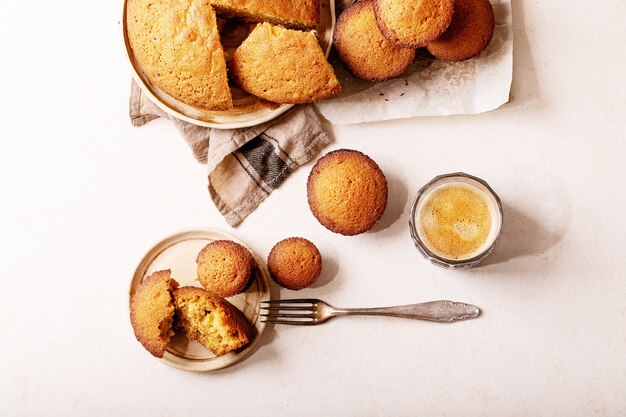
pixel 244 165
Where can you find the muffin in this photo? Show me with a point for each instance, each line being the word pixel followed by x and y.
pixel 294 263
pixel 283 66
pixel 177 45
pixel 364 51
pixel 152 311
pixel 347 192
pixel 300 14
pixel 469 33
pixel 210 320
pixel 412 23
pixel 225 267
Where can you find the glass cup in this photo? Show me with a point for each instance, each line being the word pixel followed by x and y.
pixel 417 218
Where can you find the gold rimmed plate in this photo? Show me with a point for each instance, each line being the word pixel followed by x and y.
pixel 178 253
pixel 247 110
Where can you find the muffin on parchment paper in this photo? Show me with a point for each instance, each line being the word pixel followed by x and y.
pixel 413 23
pixel 210 320
pixel 347 192
pixel 225 268
pixel 364 50
pixel 283 66
pixel 469 33
pixel 152 311
pixel 294 263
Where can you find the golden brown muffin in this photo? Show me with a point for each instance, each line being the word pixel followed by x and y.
pixel 469 33
pixel 210 320
pixel 225 267
pixel 177 45
pixel 300 14
pixel 152 311
pixel 294 263
pixel 347 192
pixel 283 66
pixel 413 23
pixel 364 50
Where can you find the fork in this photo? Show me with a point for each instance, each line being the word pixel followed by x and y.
pixel 309 311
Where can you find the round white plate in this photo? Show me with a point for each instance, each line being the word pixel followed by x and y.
pixel 247 109
pixel 178 253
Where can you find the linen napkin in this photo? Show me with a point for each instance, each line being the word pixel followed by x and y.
pixel 244 165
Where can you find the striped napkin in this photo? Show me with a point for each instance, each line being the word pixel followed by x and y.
pixel 244 165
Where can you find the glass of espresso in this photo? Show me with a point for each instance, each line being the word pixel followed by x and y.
pixel 455 220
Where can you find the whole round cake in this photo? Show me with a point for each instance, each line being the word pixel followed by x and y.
pixel 294 263
pixel 364 50
pixel 225 267
pixel 469 33
pixel 347 192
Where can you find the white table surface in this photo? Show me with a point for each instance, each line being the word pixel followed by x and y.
pixel 84 195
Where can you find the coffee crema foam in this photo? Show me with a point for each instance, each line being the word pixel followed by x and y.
pixel 455 221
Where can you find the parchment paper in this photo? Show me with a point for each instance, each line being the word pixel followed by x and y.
pixel 430 87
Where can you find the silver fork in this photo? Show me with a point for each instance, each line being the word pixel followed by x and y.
pixel 309 311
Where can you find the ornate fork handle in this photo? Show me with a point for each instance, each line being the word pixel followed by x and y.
pixel 441 311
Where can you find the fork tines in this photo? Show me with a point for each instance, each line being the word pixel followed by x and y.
pixel 303 305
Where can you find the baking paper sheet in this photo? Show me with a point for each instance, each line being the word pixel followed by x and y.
pixel 430 87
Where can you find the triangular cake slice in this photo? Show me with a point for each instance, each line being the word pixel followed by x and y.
pixel 152 311
pixel 283 66
pixel 301 14
pixel 177 45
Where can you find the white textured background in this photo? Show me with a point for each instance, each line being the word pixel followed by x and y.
pixel 84 195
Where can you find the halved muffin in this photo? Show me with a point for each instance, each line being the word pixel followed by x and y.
pixel 283 66
pixel 152 311
pixel 210 320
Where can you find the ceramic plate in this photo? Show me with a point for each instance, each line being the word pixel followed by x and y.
pixel 248 110
pixel 178 253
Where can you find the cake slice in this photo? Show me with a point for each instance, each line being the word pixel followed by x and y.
pixel 301 14
pixel 177 45
pixel 209 319
pixel 152 311
pixel 283 66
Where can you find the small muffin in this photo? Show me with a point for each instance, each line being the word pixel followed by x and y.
pixel 283 66
pixel 413 23
pixel 210 320
pixel 225 267
pixel 152 311
pixel 294 263
pixel 364 50
pixel 469 33
pixel 347 192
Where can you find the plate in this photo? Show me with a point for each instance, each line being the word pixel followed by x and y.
pixel 247 109
pixel 178 253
